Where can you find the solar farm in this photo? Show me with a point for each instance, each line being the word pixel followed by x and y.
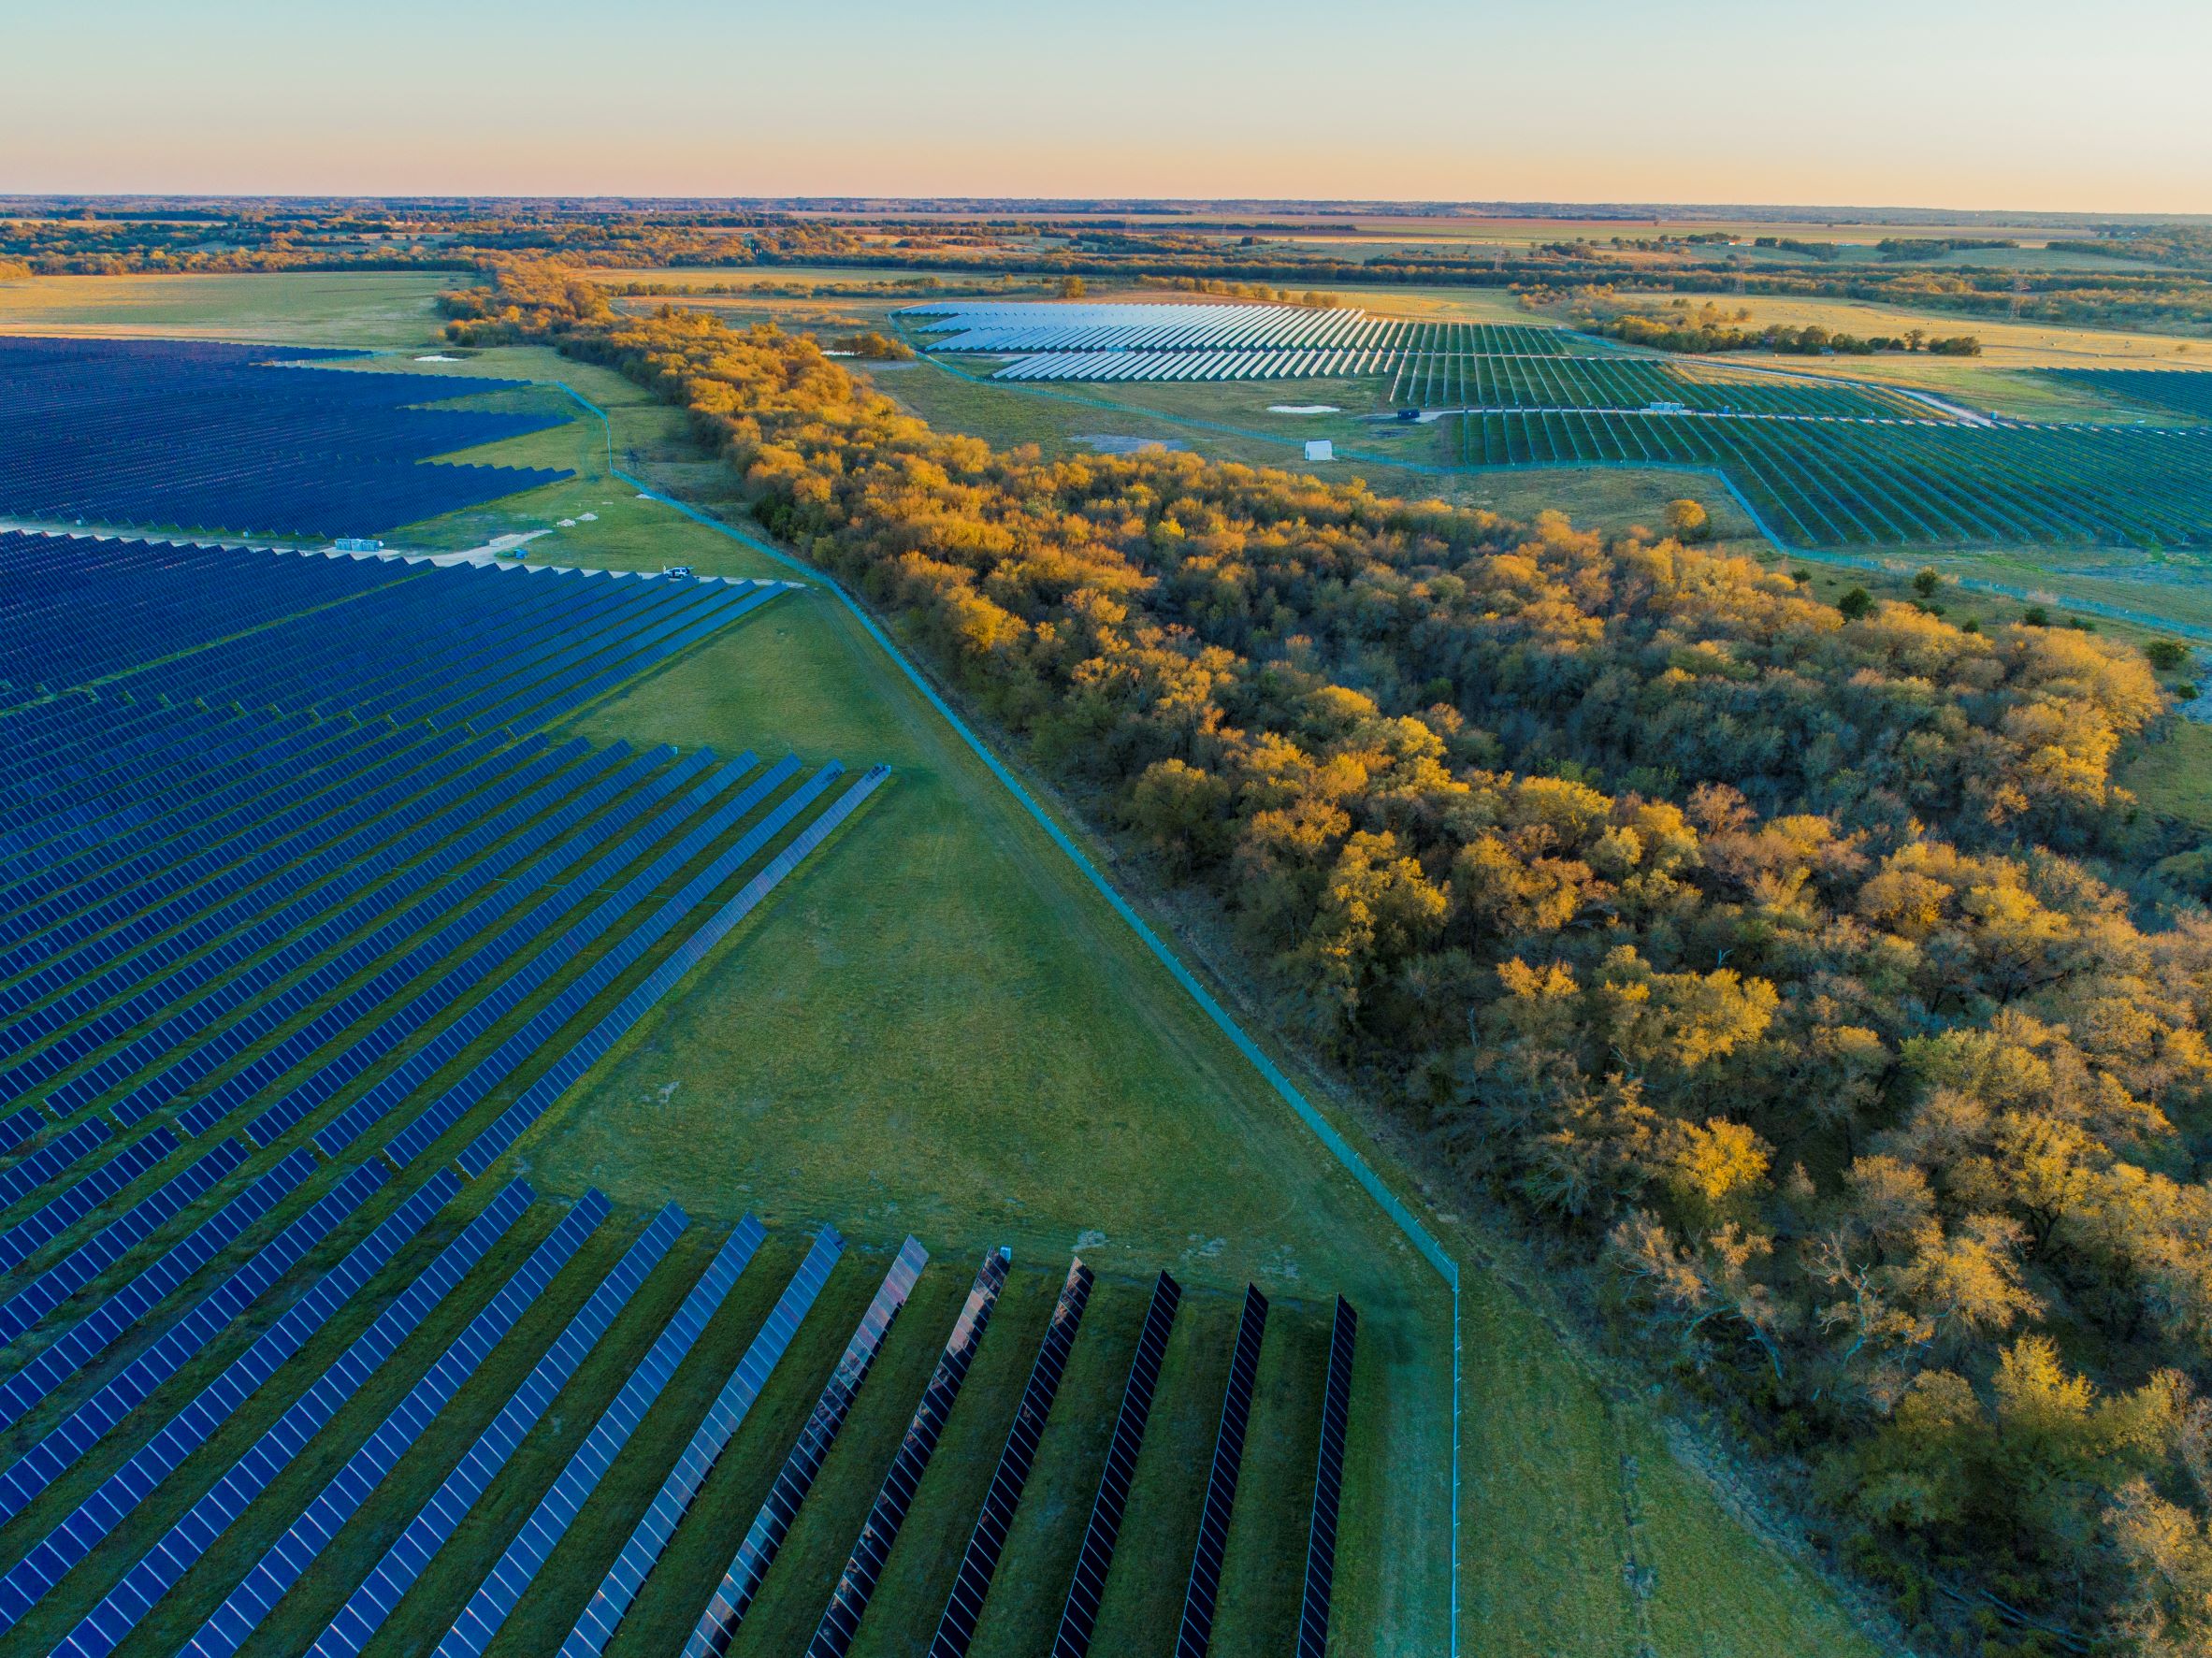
pixel 1821 461
pixel 313 908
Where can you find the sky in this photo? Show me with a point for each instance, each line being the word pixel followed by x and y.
pixel 2047 104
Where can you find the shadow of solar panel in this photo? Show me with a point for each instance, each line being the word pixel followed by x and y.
pixel 1079 1615
pixel 409 1556
pixel 595 1627
pixel 727 1607
pixel 502 1587
pixel 1196 1631
pixel 242 1611
pixel 107 1245
pixel 92 1334
pixel 97 1516
pixel 863 1568
pixel 1328 1485
pixel 119 1612
pixel 980 1560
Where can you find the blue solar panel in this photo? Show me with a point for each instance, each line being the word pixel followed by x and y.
pixel 126 1605
pixel 405 1561
pixel 727 1607
pixel 1328 1485
pixel 1195 1634
pixel 326 1515
pixel 19 1241
pixel 26 1177
pixel 1079 1615
pixel 83 1427
pixel 963 1607
pixel 502 1588
pixel 60 1551
pixel 107 1245
pixel 91 1334
pixel 643 1551
pixel 863 1568
pixel 155 432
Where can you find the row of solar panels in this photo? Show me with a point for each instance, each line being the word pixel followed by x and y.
pixel 249 1603
pixel 142 433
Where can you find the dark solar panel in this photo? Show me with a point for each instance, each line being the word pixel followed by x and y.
pixel 863 1568
pixel 727 1607
pixel 957 1628
pixel 1196 1631
pixel 1079 1615
pixel 1328 1484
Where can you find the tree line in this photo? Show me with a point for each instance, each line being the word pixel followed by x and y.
pixel 1803 979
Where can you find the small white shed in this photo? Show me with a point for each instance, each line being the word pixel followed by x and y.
pixel 1319 449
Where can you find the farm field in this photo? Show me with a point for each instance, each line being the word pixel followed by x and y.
pixel 378 309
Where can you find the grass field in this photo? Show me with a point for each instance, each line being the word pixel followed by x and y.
pixel 384 309
pixel 940 1028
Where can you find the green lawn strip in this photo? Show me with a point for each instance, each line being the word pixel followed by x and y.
pixel 1716 1591
pixel 1264 1565
pixel 1031 1584
pixel 918 1574
pixel 571 1574
pixel 798 1588
pixel 667 1609
pixel 1143 1604
pixel 316 1597
pixel 430 1609
pixel 2174 776
pixel 235 1552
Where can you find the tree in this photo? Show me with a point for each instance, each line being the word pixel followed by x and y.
pixel 1071 287
pixel 1855 604
pixel 1688 522
pixel 2168 656
pixel 1926 581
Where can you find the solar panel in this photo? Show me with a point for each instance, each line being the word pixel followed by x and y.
pixel 19 1241
pixel 503 1586
pixel 727 1607
pixel 107 1245
pixel 83 1427
pixel 406 1560
pixel 157 1572
pixel 22 1179
pixel 1196 1631
pixel 965 1607
pixel 325 1517
pixel 1328 1484
pixel 91 1334
pixel 595 1627
pixel 864 1568
pixel 1079 1615
pixel 62 1549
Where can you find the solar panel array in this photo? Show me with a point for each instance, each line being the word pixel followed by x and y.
pixel 171 433
pixel 595 1627
pixel 727 1607
pixel 1049 341
pixel 235 1620
pixel 1078 1615
pixel 864 1568
pixel 1328 1487
pixel 380 1593
pixel 980 1560
pixel 1196 1631
pixel 503 1586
